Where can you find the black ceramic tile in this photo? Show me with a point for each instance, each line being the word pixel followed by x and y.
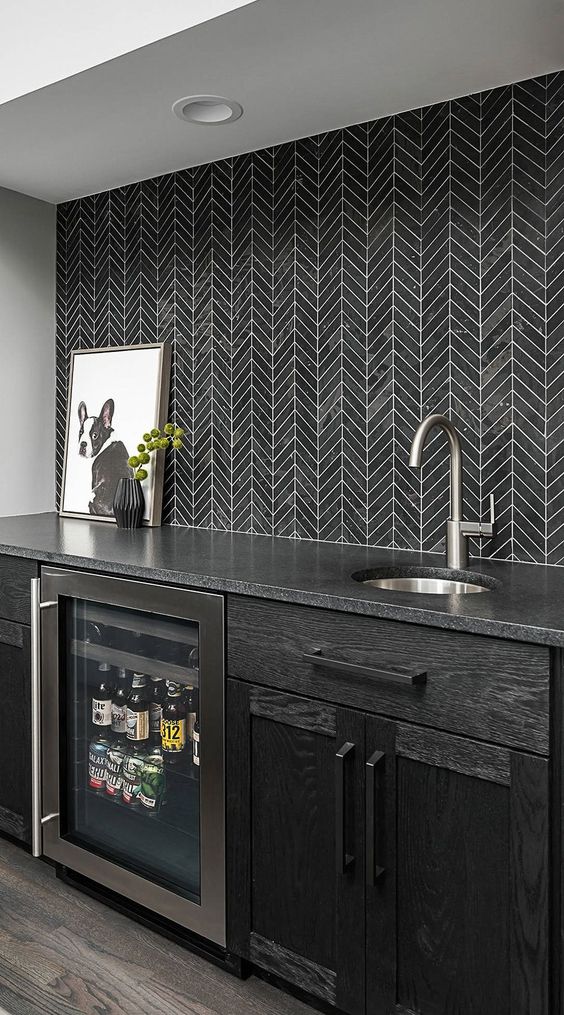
pixel 321 297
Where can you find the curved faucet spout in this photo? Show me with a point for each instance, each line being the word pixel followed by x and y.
pixel 421 434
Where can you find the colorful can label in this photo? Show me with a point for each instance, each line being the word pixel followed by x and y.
pixel 137 725
pixel 114 770
pixel 97 764
pixel 119 717
pixel 102 712
pixel 173 735
pixel 131 786
pixel 152 782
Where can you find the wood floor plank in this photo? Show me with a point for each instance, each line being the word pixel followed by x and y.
pixel 63 953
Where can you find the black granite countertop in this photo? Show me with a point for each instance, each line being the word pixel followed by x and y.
pixel 529 605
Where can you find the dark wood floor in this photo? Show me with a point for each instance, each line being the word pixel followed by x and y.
pixel 62 953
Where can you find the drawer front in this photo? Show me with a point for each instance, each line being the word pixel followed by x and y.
pixel 15 577
pixel 480 687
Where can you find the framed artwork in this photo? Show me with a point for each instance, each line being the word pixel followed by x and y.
pixel 115 395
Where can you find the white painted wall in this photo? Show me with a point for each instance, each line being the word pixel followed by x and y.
pixel 27 354
pixel 47 42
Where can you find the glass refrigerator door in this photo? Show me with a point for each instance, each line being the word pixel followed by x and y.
pixel 130 753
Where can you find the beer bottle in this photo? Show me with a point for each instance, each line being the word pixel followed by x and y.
pixel 102 698
pixel 137 715
pixel 173 727
pixel 119 706
pixel 191 702
pixel 157 696
pixel 196 743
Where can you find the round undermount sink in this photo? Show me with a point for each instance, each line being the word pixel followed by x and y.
pixel 438 581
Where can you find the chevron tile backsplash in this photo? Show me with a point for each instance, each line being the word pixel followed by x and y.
pixel 322 296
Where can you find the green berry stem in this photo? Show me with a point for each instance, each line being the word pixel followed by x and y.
pixel 154 440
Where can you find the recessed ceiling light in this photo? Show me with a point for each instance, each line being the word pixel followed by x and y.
pixel 207 110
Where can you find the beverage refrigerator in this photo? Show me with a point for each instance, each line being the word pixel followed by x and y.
pixel 128 741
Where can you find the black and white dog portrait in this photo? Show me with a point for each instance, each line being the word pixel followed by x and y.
pixel 116 395
pixel 109 457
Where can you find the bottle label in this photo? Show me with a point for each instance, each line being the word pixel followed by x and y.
pixel 156 714
pixel 173 734
pixel 119 717
pixel 191 720
pixel 196 748
pixel 97 765
pixel 114 772
pixel 137 725
pixel 101 712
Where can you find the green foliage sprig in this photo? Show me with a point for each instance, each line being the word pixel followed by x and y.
pixel 154 440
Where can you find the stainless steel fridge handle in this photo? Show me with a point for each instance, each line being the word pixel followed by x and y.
pixel 37 819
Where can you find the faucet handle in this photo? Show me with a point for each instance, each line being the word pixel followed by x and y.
pixel 480 530
pixel 487 529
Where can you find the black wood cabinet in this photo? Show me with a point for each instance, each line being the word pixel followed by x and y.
pixel 385 867
pixel 288 910
pixel 15 722
pixel 457 883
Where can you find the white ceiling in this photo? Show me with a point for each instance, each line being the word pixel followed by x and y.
pixel 46 42
pixel 298 67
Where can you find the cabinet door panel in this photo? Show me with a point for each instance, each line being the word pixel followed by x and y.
pixel 289 910
pixel 453 891
pixel 293 844
pixel 471 880
pixel 15 722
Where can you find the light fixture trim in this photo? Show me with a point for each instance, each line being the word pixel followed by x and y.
pixel 207 110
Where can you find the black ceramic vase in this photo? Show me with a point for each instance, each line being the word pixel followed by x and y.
pixel 129 504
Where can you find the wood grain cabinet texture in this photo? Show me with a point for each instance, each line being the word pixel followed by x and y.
pixel 486 688
pixel 15 582
pixel 15 709
pixel 15 724
pixel 444 904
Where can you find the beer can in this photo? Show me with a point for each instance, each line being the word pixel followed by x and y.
pixel 132 765
pixel 152 781
pixel 97 763
pixel 114 770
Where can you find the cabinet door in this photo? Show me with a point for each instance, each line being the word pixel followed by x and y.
pixel 457 876
pixel 295 832
pixel 15 722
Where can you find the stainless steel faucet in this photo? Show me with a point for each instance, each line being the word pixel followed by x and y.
pixel 458 530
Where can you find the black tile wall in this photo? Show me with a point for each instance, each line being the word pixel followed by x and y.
pixel 322 296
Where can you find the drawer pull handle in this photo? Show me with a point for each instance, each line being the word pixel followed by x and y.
pixel 373 869
pixel 343 859
pixel 413 678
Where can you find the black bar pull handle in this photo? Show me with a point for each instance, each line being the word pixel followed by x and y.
pixel 373 869
pixel 411 678
pixel 343 859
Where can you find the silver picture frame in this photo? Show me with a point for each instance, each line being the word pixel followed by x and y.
pixel 156 473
